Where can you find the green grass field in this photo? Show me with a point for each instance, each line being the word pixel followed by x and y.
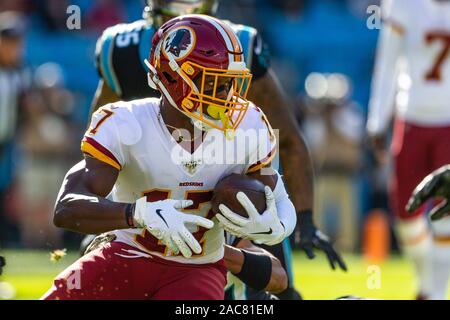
pixel 31 274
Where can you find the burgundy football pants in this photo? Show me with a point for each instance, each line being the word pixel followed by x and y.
pixel 417 151
pixel 111 272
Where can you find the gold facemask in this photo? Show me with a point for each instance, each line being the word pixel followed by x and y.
pixel 220 95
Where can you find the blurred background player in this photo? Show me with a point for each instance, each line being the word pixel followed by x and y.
pixel 412 76
pixel 333 127
pixel 14 84
pixel 120 54
pixel 48 142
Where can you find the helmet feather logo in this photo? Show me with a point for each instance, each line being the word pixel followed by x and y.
pixel 179 42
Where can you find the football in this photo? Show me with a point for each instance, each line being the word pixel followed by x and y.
pixel 227 188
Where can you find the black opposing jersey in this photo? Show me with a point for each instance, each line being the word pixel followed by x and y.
pixel 122 49
pixel 120 55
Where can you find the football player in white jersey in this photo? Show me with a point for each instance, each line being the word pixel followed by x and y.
pixel 160 160
pixel 412 77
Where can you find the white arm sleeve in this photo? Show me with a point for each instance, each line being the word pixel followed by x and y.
pixel 384 82
pixel 285 208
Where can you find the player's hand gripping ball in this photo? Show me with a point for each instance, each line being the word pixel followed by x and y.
pixel 165 221
pixel 246 208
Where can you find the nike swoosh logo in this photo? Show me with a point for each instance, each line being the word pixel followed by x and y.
pixel 158 212
pixel 265 232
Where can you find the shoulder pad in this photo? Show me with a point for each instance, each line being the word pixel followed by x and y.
pixel 255 118
pixel 398 12
pixel 127 125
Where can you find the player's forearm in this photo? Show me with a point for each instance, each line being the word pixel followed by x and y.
pixel 89 214
pixel 285 208
pixel 233 258
pixel 297 168
pixel 278 278
pixel 256 267
pixel 296 163
pixel 81 205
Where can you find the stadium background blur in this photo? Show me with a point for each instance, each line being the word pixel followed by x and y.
pixel 322 51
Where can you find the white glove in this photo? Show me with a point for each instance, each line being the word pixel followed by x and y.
pixel 263 228
pixel 163 220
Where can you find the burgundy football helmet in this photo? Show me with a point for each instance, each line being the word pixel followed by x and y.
pixel 197 63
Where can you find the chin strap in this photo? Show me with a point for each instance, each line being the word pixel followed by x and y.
pixel 153 81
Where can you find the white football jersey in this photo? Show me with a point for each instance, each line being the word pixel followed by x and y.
pixel 132 137
pixel 413 59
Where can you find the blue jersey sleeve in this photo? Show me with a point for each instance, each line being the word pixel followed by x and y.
pixel 104 58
